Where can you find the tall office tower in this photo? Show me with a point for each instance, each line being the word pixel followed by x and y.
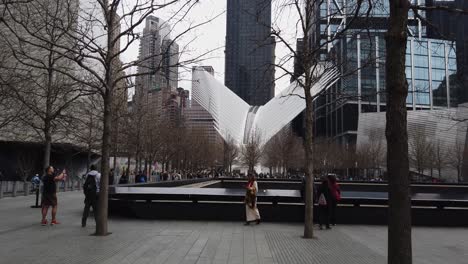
pixel 250 50
pixel 199 121
pixel 169 69
pixel 452 26
pixel 441 24
pixel 158 59
pixel 462 50
pixel 360 55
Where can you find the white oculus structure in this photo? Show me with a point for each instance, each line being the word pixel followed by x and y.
pixel 236 119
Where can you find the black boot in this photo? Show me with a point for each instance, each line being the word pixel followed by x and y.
pixel 83 222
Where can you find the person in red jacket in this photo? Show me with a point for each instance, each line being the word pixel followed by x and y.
pixel 335 197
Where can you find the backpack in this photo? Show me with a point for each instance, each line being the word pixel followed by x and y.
pixel 336 192
pixel 322 200
pixel 89 187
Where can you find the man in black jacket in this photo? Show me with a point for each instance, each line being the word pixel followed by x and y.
pixel 91 191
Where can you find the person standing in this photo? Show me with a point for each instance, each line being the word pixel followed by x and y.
pixel 251 209
pixel 123 179
pixel 324 201
pixel 49 194
pixel 111 177
pixel 91 192
pixel 335 197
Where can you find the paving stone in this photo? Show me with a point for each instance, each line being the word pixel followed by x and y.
pixel 137 241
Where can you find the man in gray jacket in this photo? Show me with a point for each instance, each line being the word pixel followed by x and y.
pixel 91 191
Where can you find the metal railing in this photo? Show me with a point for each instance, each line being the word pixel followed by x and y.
pixel 21 188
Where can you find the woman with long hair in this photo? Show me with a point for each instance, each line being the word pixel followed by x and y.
pixel 324 201
pixel 251 210
pixel 335 195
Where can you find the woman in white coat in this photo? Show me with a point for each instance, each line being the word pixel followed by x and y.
pixel 251 210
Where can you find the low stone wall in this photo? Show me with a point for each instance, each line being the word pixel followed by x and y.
pixel 235 211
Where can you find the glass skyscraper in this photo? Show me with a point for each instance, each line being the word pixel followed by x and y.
pixel 250 50
pixel 431 68
pixel 430 71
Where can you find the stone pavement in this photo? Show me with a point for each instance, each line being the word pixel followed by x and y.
pixel 23 240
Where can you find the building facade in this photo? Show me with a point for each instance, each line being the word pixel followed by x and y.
pixel 198 119
pixel 431 66
pixel 430 70
pixel 158 64
pixel 250 51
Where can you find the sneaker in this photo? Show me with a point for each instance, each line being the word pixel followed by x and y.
pixel 44 222
pixel 54 222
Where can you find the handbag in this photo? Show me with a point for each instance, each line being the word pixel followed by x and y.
pixel 322 200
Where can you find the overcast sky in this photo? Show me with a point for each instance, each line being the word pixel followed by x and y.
pixel 211 37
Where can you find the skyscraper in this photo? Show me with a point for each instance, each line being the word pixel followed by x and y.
pixel 157 53
pixel 198 119
pixel 250 50
pixel 158 59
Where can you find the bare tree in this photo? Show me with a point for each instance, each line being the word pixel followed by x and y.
pixel 252 150
pixel 420 150
pixel 439 157
pixel 284 150
pixel 87 124
pixel 9 109
pixel 308 16
pixel 374 149
pixel 96 39
pixel 399 213
pixel 271 158
pixel 399 230
pixel 27 163
pixel 456 158
pixel 231 153
pixel 44 92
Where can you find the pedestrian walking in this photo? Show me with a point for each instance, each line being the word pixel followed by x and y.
pixel 91 191
pixel 49 194
pixel 335 197
pixel 251 209
pixel 324 201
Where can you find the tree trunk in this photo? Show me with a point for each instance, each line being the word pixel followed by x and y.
pixel 47 144
pixel 108 96
pixel 88 160
pixel 101 225
pixel 399 211
pixel 114 164
pixel 128 165
pixel 309 177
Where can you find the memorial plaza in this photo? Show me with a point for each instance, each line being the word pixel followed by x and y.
pixel 24 240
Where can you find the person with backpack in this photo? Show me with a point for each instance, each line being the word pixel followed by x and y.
pixel 324 201
pixel 91 192
pixel 335 197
